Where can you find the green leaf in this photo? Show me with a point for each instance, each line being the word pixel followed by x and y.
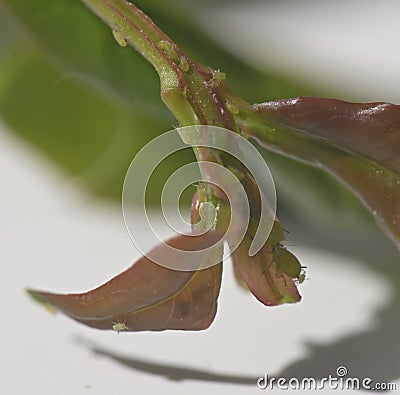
pixel 80 45
pixel 82 131
pixel 80 42
pixel 65 50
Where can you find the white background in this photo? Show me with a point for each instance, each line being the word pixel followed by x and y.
pixel 54 237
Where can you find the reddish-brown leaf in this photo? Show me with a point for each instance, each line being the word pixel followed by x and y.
pixel 262 276
pixel 359 143
pixel 148 296
pixel 370 129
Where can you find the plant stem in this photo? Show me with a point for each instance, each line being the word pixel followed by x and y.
pixel 190 90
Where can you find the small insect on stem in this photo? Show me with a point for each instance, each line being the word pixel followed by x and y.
pixel 119 38
pixel 232 108
pixel 169 50
pixel 183 64
pixel 119 326
pixel 217 79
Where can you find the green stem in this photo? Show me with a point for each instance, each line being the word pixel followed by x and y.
pixel 190 90
pixel 195 94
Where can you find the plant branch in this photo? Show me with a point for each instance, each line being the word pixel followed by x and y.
pixel 190 90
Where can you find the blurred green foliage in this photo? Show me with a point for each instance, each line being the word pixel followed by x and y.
pixel 90 105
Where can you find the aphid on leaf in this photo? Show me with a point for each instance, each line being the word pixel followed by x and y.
pixel 119 38
pixel 119 326
pixel 276 236
pixel 288 263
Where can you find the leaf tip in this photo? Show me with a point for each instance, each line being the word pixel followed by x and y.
pixel 39 298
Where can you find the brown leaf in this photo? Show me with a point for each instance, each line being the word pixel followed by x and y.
pixel 358 143
pixel 263 277
pixel 371 129
pixel 264 273
pixel 148 296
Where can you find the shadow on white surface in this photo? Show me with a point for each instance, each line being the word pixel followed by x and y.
pixel 53 237
pixel 166 370
pixel 56 239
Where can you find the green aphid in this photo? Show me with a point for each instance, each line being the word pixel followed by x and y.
pixel 302 276
pixel 276 236
pixel 288 263
pixel 183 64
pixel 232 108
pixel 119 38
pixel 217 79
pixel 169 49
pixel 119 326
